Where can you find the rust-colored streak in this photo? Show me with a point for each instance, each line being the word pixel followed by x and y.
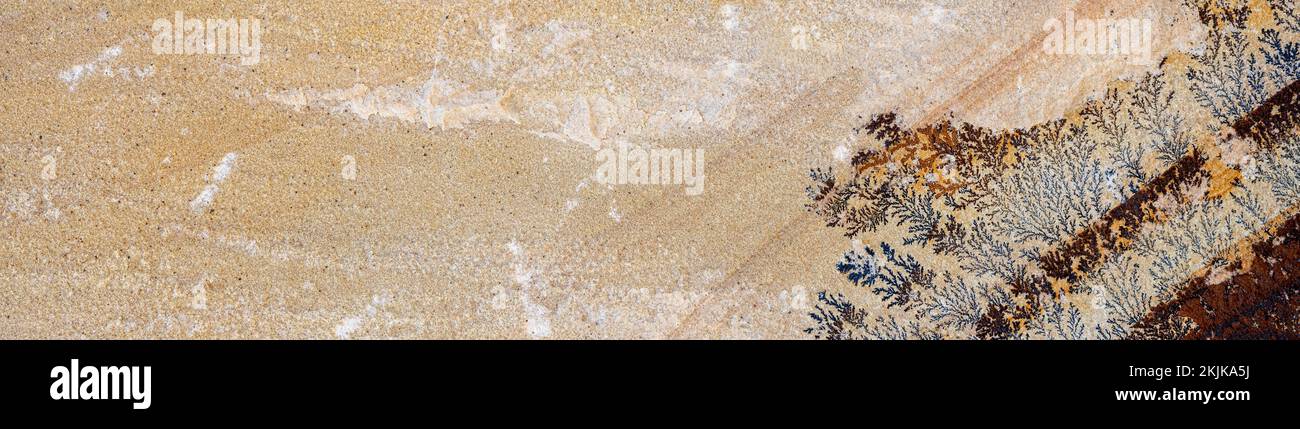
pixel 1254 294
pixel 1077 256
pixel 1274 120
pixel 992 81
pixel 1083 252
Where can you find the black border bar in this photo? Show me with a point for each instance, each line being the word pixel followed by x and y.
pixel 328 378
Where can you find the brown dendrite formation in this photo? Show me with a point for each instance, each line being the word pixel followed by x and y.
pixel 1167 208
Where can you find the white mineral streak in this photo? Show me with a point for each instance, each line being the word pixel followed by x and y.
pixel 437 103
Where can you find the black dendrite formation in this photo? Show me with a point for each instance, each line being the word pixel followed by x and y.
pixel 1065 229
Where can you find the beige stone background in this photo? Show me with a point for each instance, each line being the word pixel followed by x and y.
pixel 484 222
